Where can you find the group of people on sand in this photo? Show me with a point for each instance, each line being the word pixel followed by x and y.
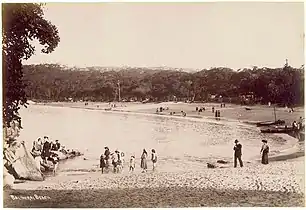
pixel 298 125
pixel 161 109
pixel 111 158
pixel 238 153
pixel 44 150
pixel 116 160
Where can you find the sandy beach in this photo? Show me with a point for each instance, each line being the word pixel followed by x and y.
pixel 231 112
pixel 276 184
pixel 281 183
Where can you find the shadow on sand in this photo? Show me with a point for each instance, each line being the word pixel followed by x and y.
pixel 144 197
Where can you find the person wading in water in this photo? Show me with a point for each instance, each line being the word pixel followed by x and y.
pixel 237 153
pixel 264 151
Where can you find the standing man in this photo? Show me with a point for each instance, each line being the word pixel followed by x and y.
pixel 46 149
pixel 238 153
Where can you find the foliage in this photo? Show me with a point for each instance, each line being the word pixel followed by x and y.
pixel 57 83
pixel 22 23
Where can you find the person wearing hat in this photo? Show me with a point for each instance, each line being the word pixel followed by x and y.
pixel 264 152
pixel 107 158
pixel 106 153
pixel 237 153
pixel 56 146
pixel 46 149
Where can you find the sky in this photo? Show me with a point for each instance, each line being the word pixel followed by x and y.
pixel 182 35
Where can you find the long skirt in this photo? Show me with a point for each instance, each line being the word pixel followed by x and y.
pixel 143 164
pixel 264 158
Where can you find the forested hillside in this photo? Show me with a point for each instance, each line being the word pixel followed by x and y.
pixel 284 85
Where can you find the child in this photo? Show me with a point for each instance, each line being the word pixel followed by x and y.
pixel 55 161
pixel 154 159
pixel 132 163
pixel 115 160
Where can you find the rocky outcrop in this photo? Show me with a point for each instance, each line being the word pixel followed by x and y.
pixel 19 163
pixel 219 164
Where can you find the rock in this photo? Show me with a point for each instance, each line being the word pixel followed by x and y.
pixel 209 165
pixel 8 181
pixel 222 161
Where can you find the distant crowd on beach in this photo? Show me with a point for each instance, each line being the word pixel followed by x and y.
pixel 197 109
pixel 115 161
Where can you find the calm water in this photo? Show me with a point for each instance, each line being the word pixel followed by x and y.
pixel 180 143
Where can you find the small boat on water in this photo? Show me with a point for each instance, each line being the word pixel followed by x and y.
pixel 269 123
pixel 277 130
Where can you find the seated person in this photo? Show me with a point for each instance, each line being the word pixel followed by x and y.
pixel 56 146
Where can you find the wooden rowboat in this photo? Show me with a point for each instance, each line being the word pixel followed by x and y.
pixel 276 130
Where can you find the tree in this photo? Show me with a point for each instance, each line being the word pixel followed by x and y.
pixel 22 23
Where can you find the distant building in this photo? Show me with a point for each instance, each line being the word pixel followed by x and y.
pixel 248 98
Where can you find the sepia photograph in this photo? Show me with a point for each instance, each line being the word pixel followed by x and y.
pixel 153 104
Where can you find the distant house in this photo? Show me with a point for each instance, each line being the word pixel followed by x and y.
pixel 248 98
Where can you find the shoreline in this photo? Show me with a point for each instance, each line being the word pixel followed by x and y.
pixel 280 183
pixel 293 153
pixel 149 109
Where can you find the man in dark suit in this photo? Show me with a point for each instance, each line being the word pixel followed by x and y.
pixel 238 153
